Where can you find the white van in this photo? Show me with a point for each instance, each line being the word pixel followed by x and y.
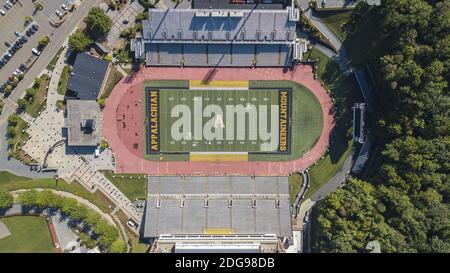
pixel 36 52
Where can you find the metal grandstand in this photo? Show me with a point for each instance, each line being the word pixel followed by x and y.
pixel 226 37
pixel 218 205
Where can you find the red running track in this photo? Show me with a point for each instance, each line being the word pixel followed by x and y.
pixel 123 122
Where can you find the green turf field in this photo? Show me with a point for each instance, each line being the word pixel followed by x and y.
pixel 29 234
pixel 303 127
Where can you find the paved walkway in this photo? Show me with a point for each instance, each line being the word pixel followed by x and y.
pixel 13 166
pixel 125 104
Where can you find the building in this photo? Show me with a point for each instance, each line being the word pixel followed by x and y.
pixel 232 213
pixel 363 157
pixel 342 4
pixel 239 4
pixel 83 123
pixel 88 77
pixel 358 122
pixel 220 37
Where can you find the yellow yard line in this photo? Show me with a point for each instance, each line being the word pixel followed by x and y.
pixel 217 84
pixel 218 157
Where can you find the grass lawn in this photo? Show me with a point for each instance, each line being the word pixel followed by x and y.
pixel 132 185
pixel 334 20
pixel 7 177
pixel 64 80
pixel 29 234
pixel 323 61
pixel 345 91
pixel 39 99
pixel 114 77
pixel 295 184
pixel 327 167
pixel 136 246
pixel 52 63
pixel 10 182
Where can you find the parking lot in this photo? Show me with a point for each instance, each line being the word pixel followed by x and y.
pixel 14 20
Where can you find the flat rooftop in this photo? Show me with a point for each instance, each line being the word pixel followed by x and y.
pixel 217 205
pixel 227 4
pixel 84 123
pixel 223 27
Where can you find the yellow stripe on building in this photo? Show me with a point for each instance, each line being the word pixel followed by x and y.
pixel 218 231
pixel 218 84
pixel 218 157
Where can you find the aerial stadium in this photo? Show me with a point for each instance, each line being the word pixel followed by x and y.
pixel 223 105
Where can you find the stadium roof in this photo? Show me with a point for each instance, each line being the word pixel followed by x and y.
pixel 237 205
pixel 224 26
pixel 87 77
pixel 224 4
pixel 80 115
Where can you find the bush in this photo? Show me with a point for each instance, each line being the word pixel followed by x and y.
pixel 118 246
pixel 23 103
pixel 6 200
pixel 101 103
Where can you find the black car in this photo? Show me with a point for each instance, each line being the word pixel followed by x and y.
pixel 22 67
pixel 7 44
pixel 23 39
pixel 35 27
pixel 28 32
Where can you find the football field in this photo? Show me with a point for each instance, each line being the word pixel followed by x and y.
pixel 244 119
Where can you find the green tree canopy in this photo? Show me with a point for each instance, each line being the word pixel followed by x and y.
pixel 79 41
pixel 98 23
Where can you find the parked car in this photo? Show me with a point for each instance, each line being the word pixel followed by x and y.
pixel 36 52
pixel 23 67
pixel 35 27
pixel 17 33
pixel 9 4
pixel 7 44
pixel 23 39
pixel 58 13
pixel 6 6
pixel 2 12
pixel 64 7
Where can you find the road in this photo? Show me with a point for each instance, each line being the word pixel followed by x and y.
pixel 57 38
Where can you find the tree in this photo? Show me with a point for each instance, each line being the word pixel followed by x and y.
pixel 43 42
pixel 6 200
pixel 22 103
pixel 98 23
pixel 38 6
pixel 107 233
pixel 30 92
pixel 11 131
pixel 101 103
pixel 13 120
pixel 104 144
pixel 79 41
pixel 119 246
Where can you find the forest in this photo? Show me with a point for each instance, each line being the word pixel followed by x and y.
pixel 404 205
